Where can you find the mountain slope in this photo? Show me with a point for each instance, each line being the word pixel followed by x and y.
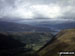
pixel 7 42
pixel 64 41
pixel 9 46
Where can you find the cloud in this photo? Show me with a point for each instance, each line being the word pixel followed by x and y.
pixel 50 11
pixel 31 9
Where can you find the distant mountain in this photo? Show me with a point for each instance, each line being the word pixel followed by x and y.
pixel 64 41
pixel 56 25
pixel 10 26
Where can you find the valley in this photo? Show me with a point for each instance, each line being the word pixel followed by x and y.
pixel 37 43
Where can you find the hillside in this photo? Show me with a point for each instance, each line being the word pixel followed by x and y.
pixel 8 42
pixel 9 46
pixel 64 41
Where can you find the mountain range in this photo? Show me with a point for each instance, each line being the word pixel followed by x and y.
pixel 16 27
pixel 56 25
pixel 36 26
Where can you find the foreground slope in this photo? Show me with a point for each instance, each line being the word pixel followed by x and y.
pixel 9 46
pixel 64 41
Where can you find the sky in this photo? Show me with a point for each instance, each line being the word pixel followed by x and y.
pixel 37 9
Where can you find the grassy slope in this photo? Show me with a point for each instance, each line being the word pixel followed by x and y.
pixel 65 41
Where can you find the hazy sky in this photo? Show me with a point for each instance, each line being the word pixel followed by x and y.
pixel 31 9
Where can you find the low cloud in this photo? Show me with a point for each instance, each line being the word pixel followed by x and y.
pixel 31 9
